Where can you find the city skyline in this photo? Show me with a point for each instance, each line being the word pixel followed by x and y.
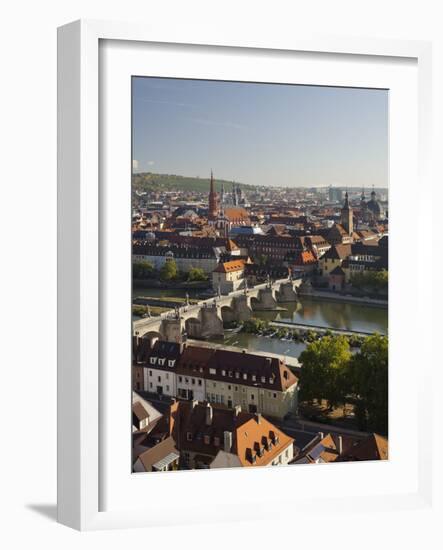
pixel 261 134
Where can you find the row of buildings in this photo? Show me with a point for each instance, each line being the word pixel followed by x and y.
pixel 256 383
pixel 201 435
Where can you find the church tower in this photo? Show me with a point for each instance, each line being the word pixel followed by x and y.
pixel 213 210
pixel 347 217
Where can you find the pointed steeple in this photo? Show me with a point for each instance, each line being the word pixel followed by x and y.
pixel 212 213
pixel 347 216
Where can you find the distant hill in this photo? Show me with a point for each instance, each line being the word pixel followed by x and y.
pixel 147 181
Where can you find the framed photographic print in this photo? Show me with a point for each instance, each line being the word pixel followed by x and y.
pixel 232 276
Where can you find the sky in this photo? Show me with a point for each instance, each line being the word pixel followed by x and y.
pixel 261 134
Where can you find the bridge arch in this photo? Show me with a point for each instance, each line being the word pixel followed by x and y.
pixel 227 314
pixel 193 327
pixel 152 336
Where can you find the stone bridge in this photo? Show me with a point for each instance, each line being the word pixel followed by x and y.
pixel 205 319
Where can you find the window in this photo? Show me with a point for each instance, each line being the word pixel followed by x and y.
pixel 245 376
pixel 153 360
pixel 150 384
pixel 167 376
pixel 214 385
pixel 159 378
pixel 274 395
pixel 189 436
pixel 252 397
pixel 229 387
pixel 254 378
pixel 192 381
pixel 223 373
pixel 207 439
pixel 180 379
pixel 167 388
pixel 150 373
pixel 199 382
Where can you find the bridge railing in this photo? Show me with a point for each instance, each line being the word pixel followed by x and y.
pixel 202 303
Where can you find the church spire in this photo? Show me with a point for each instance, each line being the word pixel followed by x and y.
pixel 212 213
pixel 347 216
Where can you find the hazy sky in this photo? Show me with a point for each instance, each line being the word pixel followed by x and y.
pixel 264 134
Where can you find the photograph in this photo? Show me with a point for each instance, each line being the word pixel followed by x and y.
pixel 260 274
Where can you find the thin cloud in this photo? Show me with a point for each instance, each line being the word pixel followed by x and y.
pixel 209 122
pixel 135 164
pixel 150 163
pixel 165 102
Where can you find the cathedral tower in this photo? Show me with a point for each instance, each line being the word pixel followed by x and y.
pixel 213 209
pixel 347 217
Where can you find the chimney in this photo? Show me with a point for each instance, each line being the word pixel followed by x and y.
pixel 340 445
pixel 209 414
pixel 194 403
pixel 258 417
pixel 237 410
pixel 227 441
pixel 321 434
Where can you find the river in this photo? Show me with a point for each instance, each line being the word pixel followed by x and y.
pixel 308 311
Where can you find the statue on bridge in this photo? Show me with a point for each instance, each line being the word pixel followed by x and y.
pixel 187 299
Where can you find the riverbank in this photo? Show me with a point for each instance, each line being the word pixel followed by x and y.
pixel 319 329
pixel 325 295
pixel 180 285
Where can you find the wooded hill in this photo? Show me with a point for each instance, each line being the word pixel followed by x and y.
pixel 147 181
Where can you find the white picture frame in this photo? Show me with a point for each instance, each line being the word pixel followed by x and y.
pixel 83 401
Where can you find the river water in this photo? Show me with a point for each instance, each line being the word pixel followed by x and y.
pixel 308 311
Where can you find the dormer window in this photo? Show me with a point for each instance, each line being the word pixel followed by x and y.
pixel 171 362
pixel 189 436
pixel 223 373
pixel 161 361
pixel 230 373
pixel 153 360
pixel 237 375
pixel 254 378
pixel 207 439
pixel 245 376
pixel 263 379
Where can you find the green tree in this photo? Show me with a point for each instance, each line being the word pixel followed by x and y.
pixel 196 274
pixel 324 367
pixel 372 280
pixel 368 376
pixel 142 270
pixel 169 271
pixel 254 325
